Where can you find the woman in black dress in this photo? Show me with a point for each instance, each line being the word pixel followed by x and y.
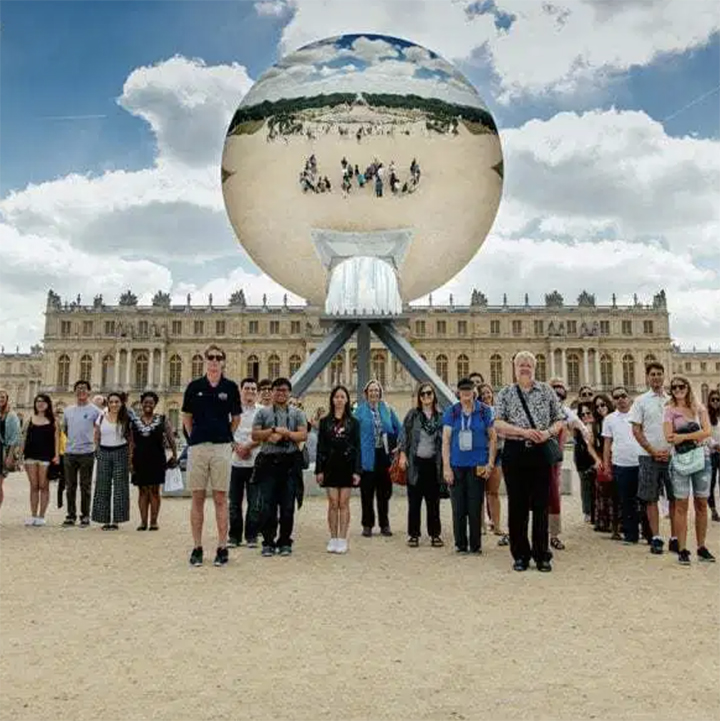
pixel 151 433
pixel 337 465
pixel 587 460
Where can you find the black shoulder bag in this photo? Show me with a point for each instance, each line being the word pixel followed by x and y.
pixel 551 448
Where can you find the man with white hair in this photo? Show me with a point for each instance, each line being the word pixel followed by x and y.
pixel 529 417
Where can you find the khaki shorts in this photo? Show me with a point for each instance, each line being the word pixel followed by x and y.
pixel 209 466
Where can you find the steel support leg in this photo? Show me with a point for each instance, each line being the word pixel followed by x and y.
pixel 363 358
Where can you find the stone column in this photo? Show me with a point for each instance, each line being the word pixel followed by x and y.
pixel 74 368
pixel 563 365
pixel 597 368
pixel 586 366
pixel 161 379
pixel 116 369
pixel 552 363
pixel 97 370
pixel 151 363
pixel 347 368
pixel 128 363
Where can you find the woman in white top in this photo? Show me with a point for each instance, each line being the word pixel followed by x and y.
pixel 113 440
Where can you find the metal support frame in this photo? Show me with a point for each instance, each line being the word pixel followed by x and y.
pixel 387 332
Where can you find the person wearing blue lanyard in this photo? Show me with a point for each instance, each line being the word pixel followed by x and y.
pixel 468 445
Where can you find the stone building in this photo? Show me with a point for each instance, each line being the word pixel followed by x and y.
pixel 131 347
pixel 21 375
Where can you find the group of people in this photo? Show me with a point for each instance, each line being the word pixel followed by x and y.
pixel 251 441
pixel 375 175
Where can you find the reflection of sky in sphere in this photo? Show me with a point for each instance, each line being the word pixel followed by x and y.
pixel 363 63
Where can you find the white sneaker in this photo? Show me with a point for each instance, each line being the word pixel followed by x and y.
pixel 39 522
pixel 342 545
pixel 29 521
pixel 332 546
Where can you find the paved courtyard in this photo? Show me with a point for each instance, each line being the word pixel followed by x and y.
pixel 117 626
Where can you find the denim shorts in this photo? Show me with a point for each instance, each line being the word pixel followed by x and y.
pixel 700 482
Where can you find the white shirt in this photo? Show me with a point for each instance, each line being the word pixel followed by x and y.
pixel 648 411
pixel 625 449
pixel 243 436
pixel 110 434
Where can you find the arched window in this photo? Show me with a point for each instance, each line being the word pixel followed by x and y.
pixel 628 367
pixel 398 371
pixel 63 371
pixel 378 367
pixel 86 368
pixel 462 366
pixel 606 372
pixel 649 358
pixel 496 371
pixel 108 371
pixel 253 367
pixel 441 367
pixel 273 367
pixel 197 366
pixel 540 367
pixel 572 371
pixel 704 393
pixel 336 370
pixel 142 365
pixel 295 363
pixel 175 371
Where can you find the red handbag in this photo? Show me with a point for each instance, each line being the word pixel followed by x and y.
pixel 603 476
pixel 397 475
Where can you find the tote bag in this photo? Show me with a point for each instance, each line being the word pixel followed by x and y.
pixel 173 480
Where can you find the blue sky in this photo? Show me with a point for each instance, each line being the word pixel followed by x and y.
pixel 593 186
pixel 71 58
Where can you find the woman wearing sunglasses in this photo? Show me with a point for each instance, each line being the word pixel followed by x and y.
pixel 687 429
pixel 607 498
pixel 420 447
pixel 587 459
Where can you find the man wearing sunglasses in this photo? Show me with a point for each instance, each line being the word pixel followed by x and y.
pixel 211 414
pixel 620 457
pixel 646 416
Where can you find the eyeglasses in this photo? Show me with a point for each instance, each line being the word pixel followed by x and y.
pixel 601 405
pixel 715 400
pixel 426 394
pixel 215 357
pixel 619 396
pixel 586 413
pixel 678 387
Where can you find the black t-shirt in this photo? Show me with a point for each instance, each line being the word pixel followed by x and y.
pixel 211 409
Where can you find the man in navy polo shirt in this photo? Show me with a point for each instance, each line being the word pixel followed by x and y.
pixel 469 442
pixel 211 413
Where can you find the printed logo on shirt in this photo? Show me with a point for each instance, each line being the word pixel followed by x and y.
pixel 223 396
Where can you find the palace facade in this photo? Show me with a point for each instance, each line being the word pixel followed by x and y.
pixel 131 347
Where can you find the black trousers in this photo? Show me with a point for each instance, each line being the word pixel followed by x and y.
pixel 714 472
pixel 275 480
pixel 427 488
pixel 468 496
pixel 376 484
pixel 527 478
pixel 239 482
pixel 78 464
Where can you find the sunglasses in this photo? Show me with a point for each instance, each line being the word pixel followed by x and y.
pixel 715 400
pixel 601 405
pixel 425 394
pixel 215 357
pixel 586 394
pixel 586 413
pixel 619 396
pixel 678 387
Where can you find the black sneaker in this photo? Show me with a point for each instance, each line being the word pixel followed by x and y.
pixel 285 551
pixel 705 555
pixel 267 551
pixel 544 566
pixel 684 557
pixel 520 565
pixel 459 549
pixel 367 532
pixel 656 546
pixel 196 557
pixel 68 522
pixel 233 543
pixel 673 546
pixel 221 557
pixel 84 522
pixel 252 543
pixel 386 532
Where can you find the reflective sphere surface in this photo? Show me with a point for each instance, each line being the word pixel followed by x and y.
pixel 362 134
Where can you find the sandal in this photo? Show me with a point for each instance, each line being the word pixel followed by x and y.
pixel 437 542
pixel 106 527
pixel 504 539
pixel 154 527
pixel 557 544
pixel 413 542
pixel 141 527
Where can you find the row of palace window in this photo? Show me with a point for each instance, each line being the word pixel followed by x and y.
pixel 274 327
pixel 176 328
pixel 499 368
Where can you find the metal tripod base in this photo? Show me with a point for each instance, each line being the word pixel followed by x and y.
pixel 388 333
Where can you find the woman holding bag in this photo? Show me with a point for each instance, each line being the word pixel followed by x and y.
pixel 529 417
pixel 379 430
pixel 10 439
pixel 420 449
pixel 687 428
pixel 151 434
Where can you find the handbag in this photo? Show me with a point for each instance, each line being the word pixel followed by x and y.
pixel 603 476
pixel 551 448
pixel 173 480
pixel 693 461
pixel 397 475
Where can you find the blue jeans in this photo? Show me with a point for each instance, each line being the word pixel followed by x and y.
pixel 626 478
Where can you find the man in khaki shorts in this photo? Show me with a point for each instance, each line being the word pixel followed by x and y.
pixel 211 413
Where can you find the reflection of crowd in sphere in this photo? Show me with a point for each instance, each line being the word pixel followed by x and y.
pixel 375 176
